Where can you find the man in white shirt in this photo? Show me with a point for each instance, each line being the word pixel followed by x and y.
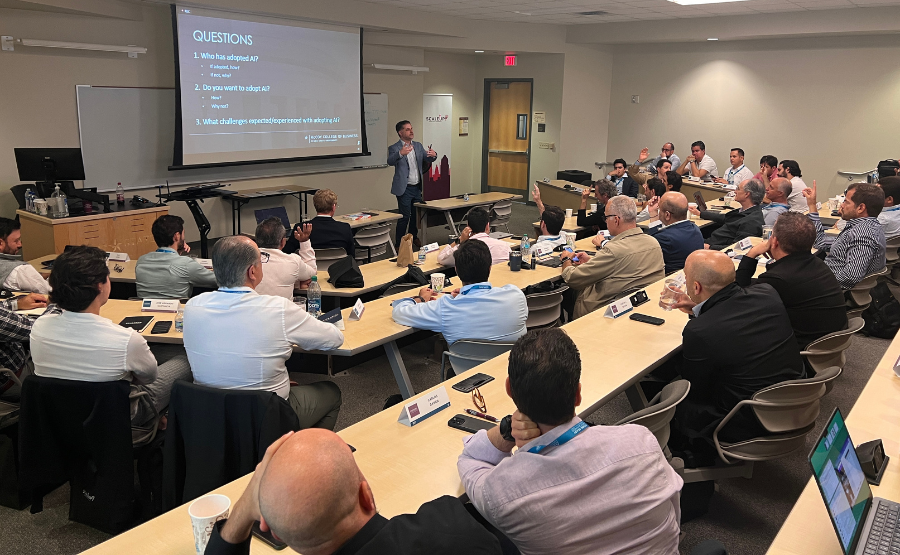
pixel 73 342
pixel 552 221
pixel 474 311
pixel 480 220
pixel 284 272
pixel 698 164
pixel 165 273
pixel 777 192
pixel 15 273
pixel 738 172
pixel 236 338
pixel 569 488
pixel 790 170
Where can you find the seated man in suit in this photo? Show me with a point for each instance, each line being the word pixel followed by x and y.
pixel 677 236
pixel 737 342
pixel 73 342
pixel 569 488
pixel 479 220
pixel 15 273
pixel 309 492
pixel 327 233
pixel 623 181
pixel 284 272
pixel 163 274
pixel 236 338
pixel 746 221
pixel 807 287
pixel 630 259
pixel 603 191
pixel 474 311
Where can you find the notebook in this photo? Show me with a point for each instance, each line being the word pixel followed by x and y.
pixel 138 323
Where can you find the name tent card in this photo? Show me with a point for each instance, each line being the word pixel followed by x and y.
pixel 160 305
pixel 419 409
pixel 745 244
pixel 618 308
pixel 118 256
pixel 358 310
pixel 431 247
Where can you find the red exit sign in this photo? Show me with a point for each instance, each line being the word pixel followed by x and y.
pixel 509 61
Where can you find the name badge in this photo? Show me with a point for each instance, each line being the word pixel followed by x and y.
pixel 358 310
pixel 745 244
pixel 431 247
pixel 427 405
pixel 160 305
pixel 618 308
pixel 118 256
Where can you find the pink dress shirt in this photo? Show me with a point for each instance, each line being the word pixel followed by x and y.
pixel 499 250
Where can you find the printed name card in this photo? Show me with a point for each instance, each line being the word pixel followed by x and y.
pixel 160 305
pixel 205 262
pixel 618 308
pixel 542 249
pixel 118 256
pixel 358 310
pixel 730 187
pixel 333 317
pixel 431 247
pixel 427 405
pixel 745 244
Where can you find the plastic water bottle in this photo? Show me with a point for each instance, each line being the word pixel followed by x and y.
pixel 314 298
pixel 466 197
pixel 570 240
pixel 29 200
pixel 59 203
pixel 179 320
pixel 526 246
pixel 422 253
pixel 120 194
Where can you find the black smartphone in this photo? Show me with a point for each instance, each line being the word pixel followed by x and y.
pixel 468 424
pixel 268 538
pixel 472 382
pixel 701 204
pixel 647 319
pixel 161 327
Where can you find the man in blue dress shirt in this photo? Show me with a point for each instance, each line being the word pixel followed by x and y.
pixel 677 236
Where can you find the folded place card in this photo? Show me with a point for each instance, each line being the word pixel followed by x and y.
pixel 118 256
pixel 730 187
pixel 745 244
pixel 618 308
pixel 160 305
pixel 427 405
pixel 431 247
pixel 358 310
pixel 205 262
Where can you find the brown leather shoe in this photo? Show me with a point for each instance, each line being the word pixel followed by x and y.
pixel 417 245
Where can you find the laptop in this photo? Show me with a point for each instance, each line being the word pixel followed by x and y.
pixel 863 524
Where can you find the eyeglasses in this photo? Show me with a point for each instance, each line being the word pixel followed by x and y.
pixel 611 216
pixel 118 268
pixel 264 257
pixel 478 400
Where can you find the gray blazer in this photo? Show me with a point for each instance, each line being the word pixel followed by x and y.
pixel 401 165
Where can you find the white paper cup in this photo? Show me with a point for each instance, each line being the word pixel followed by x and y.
pixel 205 512
pixel 692 205
pixel 593 208
pixel 568 212
pixel 41 206
pixel 437 282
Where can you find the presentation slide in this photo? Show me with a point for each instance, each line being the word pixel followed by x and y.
pixel 255 89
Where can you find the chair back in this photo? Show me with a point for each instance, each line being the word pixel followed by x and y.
pixel 399 288
pixel 830 350
pixel 860 294
pixel 891 254
pixel 9 410
pixel 327 257
pixel 501 213
pixel 466 354
pixel 659 413
pixel 545 308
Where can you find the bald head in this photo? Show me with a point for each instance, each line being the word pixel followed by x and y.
pixel 676 204
pixel 779 190
pixel 310 493
pixel 707 272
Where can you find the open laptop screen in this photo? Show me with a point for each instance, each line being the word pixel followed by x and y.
pixel 841 480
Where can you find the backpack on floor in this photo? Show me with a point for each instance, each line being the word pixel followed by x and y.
pixel 883 315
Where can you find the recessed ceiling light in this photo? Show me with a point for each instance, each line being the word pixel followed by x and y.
pixel 595 12
pixel 479 51
pixel 697 2
pixel 522 13
pixel 712 38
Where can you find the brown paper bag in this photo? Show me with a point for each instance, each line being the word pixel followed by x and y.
pixel 405 255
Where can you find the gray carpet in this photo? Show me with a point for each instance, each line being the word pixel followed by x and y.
pixel 745 514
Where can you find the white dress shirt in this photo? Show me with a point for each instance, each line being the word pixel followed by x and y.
pixel 736 176
pixel 26 278
pixel 86 347
pixel 499 250
pixel 236 338
pixel 413 167
pixel 706 163
pixel 796 199
pixel 283 272
pixel 607 490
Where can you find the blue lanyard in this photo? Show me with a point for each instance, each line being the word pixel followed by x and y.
pixel 773 205
pixel 891 209
pixel 170 251
pixel 473 287
pixel 233 292
pixel 731 173
pixel 566 436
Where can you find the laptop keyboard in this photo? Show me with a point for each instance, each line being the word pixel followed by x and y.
pixel 884 536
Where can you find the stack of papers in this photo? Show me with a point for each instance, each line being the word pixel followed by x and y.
pixel 357 216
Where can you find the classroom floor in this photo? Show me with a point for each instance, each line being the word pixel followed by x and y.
pixel 745 514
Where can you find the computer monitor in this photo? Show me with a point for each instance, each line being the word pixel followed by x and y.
pixel 841 481
pixel 49 165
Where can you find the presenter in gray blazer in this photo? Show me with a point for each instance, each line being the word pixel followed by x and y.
pixel 410 160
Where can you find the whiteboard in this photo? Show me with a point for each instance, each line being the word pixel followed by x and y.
pixel 128 136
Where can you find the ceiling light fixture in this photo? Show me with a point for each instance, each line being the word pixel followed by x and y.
pixel 712 38
pixel 479 51
pixel 698 2
pixel 522 13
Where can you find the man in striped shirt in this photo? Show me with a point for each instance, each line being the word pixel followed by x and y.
pixel 859 249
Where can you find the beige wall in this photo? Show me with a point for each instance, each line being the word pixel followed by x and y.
pixel 826 104
pixel 585 108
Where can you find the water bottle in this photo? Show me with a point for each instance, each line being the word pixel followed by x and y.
pixel 466 197
pixel 120 194
pixel 570 240
pixel 29 200
pixel 526 246
pixel 314 298
pixel 422 253
pixel 59 203
pixel 179 320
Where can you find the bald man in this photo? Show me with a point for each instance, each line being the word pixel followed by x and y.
pixel 309 492
pixel 677 236
pixel 738 341
pixel 777 192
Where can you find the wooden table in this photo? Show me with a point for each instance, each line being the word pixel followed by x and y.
pixel 124 276
pixel 382 217
pixel 709 191
pixel 122 230
pixel 447 205
pixel 555 193
pixel 118 310
pixel 376 275
pixel 875 415
pixel 240 198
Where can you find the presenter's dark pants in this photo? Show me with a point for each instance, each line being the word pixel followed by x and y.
pixel 317 404
pixel 405 202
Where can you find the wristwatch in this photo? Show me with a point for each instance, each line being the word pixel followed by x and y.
pixel 420 297
pixel 506 428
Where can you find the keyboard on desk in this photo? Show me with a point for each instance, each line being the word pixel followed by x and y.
pixel 884 534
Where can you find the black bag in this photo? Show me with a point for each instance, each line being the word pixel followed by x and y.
pixel 888 168
pixel 345 273
pixel 413 274
pixel 883 315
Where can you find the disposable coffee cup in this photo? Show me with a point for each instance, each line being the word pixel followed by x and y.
pixel 593 208
pixel 568 212
pixel 515 261
pixel 437 282
pixel 40 205
pixel 692 205
pixel 205 512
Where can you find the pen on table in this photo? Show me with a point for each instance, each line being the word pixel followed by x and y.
pixel 482 415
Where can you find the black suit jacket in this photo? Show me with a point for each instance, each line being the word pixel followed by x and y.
pixel 810 293
pixel 735 226
pixel 630 187
pixel 327 233
pixel 741 342
pixel 439 527
pixel 597 219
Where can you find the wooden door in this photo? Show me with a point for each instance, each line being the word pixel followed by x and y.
pixel 509 135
